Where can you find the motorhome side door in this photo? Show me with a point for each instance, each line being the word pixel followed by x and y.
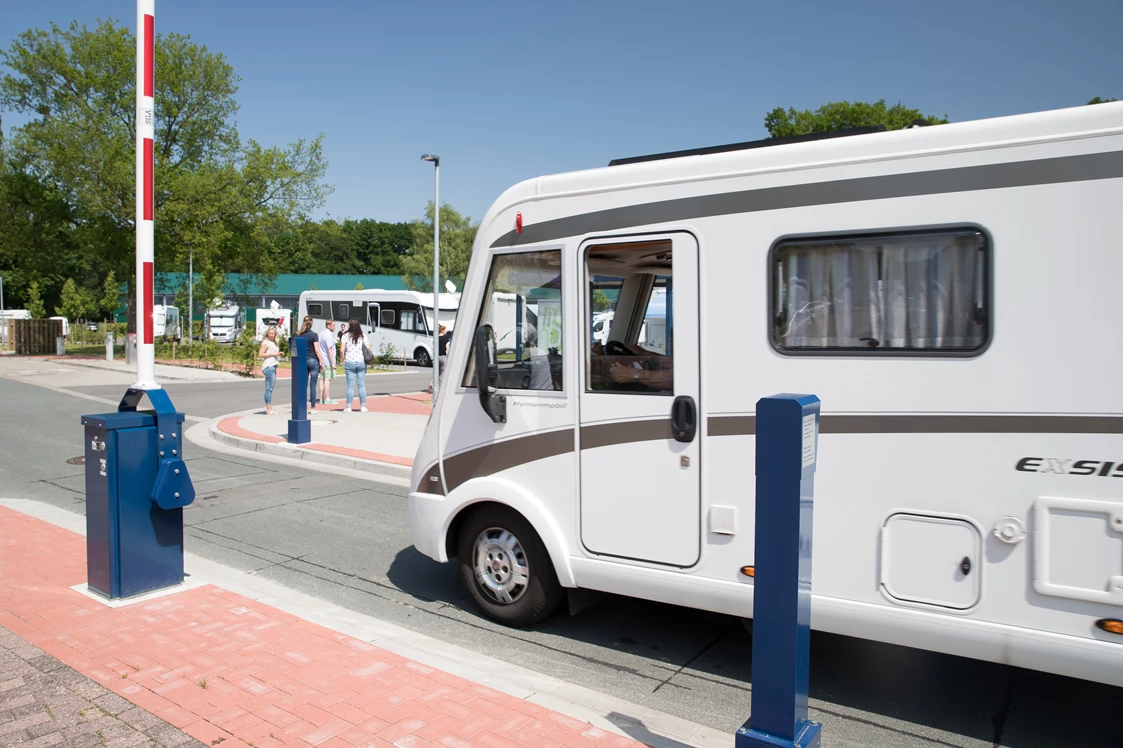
pixel 639 396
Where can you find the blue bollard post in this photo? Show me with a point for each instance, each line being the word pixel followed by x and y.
pixel 787 432
pixel 300 428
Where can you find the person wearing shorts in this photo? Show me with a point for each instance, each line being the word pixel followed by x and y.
pixel 327 372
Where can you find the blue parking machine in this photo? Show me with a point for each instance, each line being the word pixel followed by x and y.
pixel 136 487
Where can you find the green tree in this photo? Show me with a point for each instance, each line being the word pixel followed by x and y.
pixel 76 303
pixel 359 286
pixel 600 300
pixel 457 235
pixel 212 192
pixel 110 300
pixel 37 240
pixel 34 302
pixel 843 115
pixel 1098 100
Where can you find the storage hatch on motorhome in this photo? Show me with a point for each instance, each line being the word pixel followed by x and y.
pixel 931 560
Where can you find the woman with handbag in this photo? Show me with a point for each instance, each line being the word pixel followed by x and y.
pixel 355 364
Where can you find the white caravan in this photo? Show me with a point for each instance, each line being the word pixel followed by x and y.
pixel 225 322
pixel 65 325
pixel 165 322
pixel 951 293
pixel 401 319
pixel 274 316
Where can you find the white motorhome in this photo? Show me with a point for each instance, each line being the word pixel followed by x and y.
pixel 401 319
pixel 165 322
pixel 949 292
pixel 225 322
pixel 274 316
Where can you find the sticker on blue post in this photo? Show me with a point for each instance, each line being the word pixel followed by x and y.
pixel 809 439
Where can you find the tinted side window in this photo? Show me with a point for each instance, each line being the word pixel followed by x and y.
pixel 631 332
pixel 388 318
pixel 315 310
pixel 885 294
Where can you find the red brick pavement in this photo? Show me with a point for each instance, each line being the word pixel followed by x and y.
pixel 222 666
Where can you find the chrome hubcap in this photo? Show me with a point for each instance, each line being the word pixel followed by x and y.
pixel 501 565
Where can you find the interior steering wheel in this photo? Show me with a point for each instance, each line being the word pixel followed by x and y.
pixel 616 348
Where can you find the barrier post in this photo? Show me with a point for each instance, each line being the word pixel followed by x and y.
pixel 787 432
pixel 300 428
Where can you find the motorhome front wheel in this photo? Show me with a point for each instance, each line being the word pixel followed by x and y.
pixel 506 568
pixel 421 356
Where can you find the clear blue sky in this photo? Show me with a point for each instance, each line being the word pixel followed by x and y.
pixel 503 91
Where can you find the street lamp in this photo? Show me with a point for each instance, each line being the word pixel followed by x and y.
pixel 436 269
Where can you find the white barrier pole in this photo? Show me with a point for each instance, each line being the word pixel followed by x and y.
pixel 145 133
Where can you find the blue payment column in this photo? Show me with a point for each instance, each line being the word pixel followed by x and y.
pixel 300 428
pixel 136 488
pixel 787 432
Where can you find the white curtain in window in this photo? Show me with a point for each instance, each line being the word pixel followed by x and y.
pixel 907 292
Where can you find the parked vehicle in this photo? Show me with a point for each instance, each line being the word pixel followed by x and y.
pixel 274 316
pixel 165 323
pixel 403 319
pixel 949 292
pixel 65 325
pixel 226 322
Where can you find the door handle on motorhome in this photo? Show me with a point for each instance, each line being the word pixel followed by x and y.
pixel 965 566
pixel 684 419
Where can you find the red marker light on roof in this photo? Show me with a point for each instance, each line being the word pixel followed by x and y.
pixel 519 222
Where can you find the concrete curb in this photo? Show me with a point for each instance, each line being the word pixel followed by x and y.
pixel 293 455
pixel 655 728
pixel 89 364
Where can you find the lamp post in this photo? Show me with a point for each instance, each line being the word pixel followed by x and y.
pixel 436 268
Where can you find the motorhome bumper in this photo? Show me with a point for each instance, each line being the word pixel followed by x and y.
pixel 426 524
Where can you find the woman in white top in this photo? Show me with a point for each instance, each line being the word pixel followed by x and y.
pixel 270 351
pixel 354 365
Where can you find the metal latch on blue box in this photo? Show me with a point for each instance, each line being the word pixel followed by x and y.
pixel 172 488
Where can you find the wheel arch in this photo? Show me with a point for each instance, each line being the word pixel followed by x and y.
pixel 490 492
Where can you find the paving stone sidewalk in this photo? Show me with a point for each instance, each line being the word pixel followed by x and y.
pixel 43 702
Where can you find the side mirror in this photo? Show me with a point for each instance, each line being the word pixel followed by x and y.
pixel 494 405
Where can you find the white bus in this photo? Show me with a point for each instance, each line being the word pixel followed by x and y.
pixel 951 293
pixel 401 319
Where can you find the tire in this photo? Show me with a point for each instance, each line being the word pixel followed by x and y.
pixel 421 356
pixel 501 534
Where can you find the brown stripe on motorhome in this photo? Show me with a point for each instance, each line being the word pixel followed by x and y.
pixel 431 481
pixel 1083 168
pixel 625 432
pixel 496 457
pixel 740 425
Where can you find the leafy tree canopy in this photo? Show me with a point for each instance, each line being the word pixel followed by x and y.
pixel 843 115
pixel 457 235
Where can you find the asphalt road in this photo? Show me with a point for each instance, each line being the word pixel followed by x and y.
pixel 213 399
pixel 353 549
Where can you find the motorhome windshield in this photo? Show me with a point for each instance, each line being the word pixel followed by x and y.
pixel 222 321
